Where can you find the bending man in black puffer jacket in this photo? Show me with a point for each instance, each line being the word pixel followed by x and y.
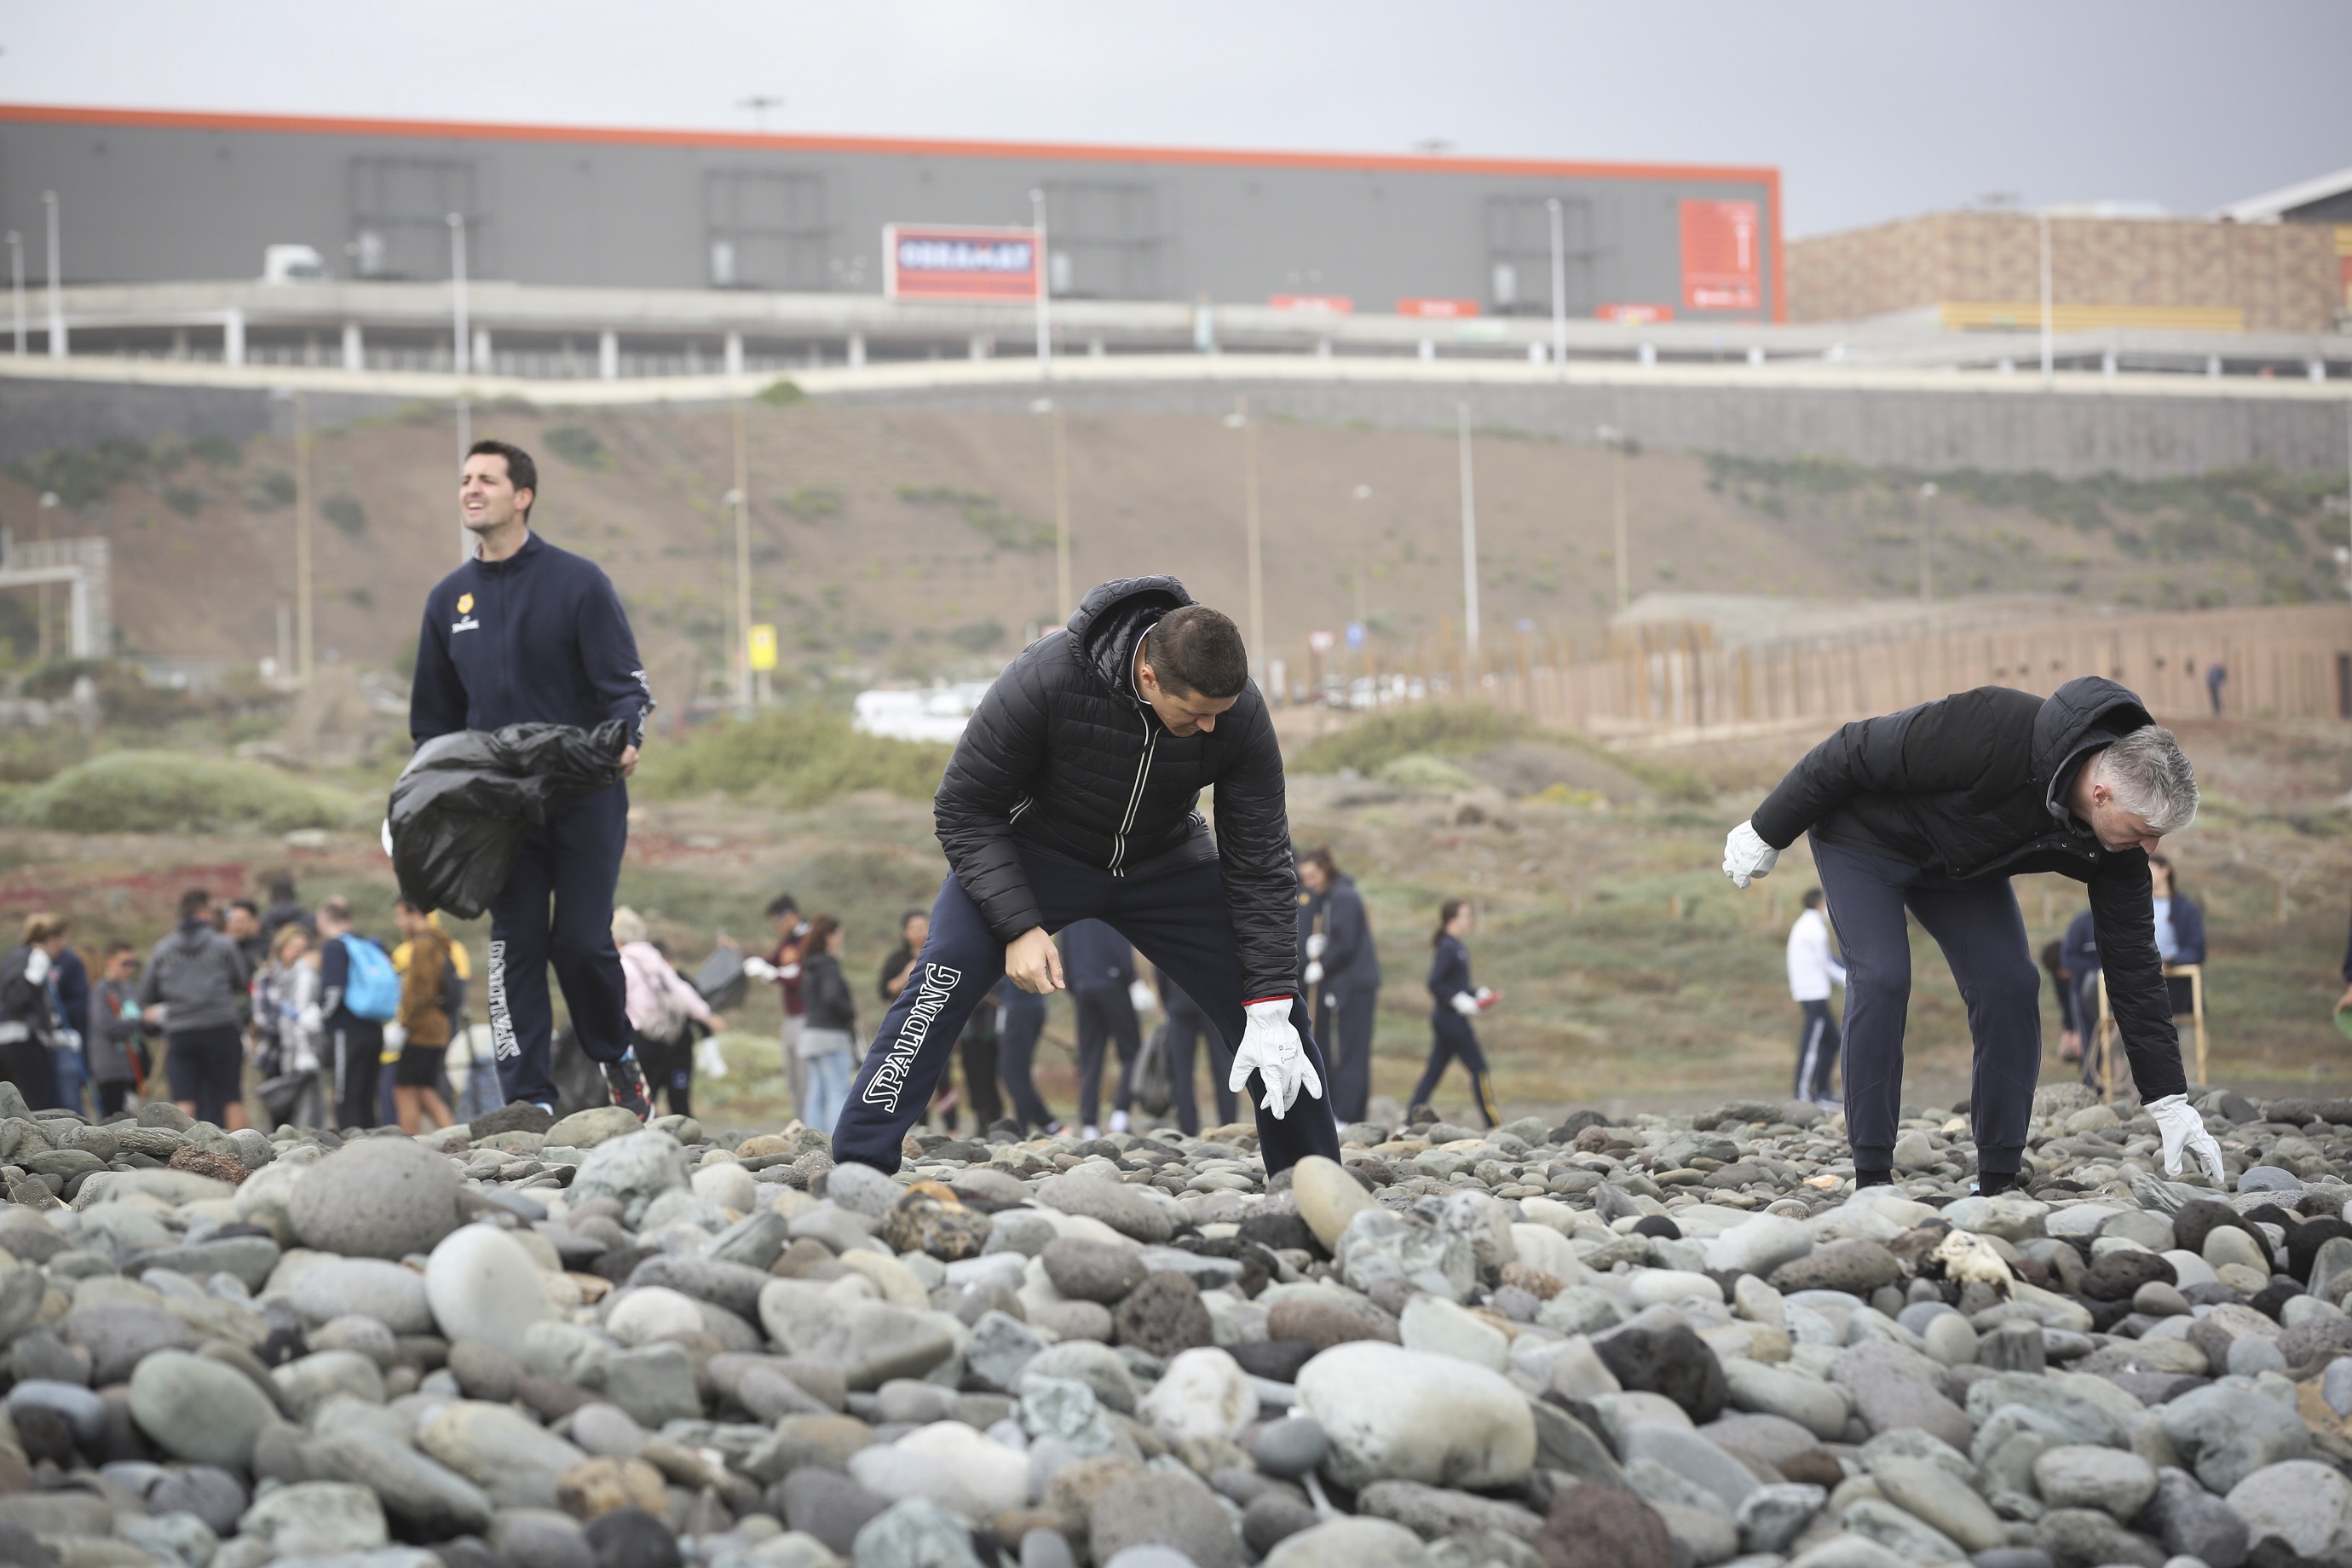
pixel 1933 810
pixel 1071 797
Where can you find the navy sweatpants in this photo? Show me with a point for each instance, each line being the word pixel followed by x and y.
pixel 1451 1038
pixel 1106 1018
pixel 1818 1048
pixel 1345 1019
pixel 1187 1029
pixel 557 907
pixel 1179 921
pixel 1982 932
pixel 1016 1054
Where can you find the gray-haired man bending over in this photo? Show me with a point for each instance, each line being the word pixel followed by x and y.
pixel 1933 810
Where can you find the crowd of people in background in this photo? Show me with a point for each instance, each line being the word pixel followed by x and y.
pixel 333 1029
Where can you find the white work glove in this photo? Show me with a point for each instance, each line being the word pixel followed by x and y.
pixel 759 969
pixel 708 1058
pixel 309 1018
pixel 1466 1004
pixel 1746 857
pixel 1318 945
pixel 1272 1049
pixel 385 838
pixel 1141 997
pixel 2183 1128
pixel 395 1036
pixel 1315 972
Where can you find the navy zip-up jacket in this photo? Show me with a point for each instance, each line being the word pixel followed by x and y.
pixel 1449 974
pixel 1350 962
pixel 539 638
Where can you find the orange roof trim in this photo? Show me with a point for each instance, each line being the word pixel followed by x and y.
pixel 1402 164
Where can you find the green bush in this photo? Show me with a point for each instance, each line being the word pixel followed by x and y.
pixel 576 445
pixel 171 791
pixel 790 757
pixel 1444 729
pixel 345 512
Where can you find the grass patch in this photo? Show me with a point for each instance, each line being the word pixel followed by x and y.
pixel 792 757
pixel 345 512
pixel 575 445
pixel 171 792
pixel 1440 729
pixel 984 515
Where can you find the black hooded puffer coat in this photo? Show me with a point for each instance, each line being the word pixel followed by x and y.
pixel 1063 758
pixel 1974 785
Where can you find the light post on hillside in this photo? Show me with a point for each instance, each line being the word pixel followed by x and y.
pixel 1558 289
pixel 57 285
pixel 17 286
pixel 1469 544
pixel 1614 439
pixel 1927 544
pixel 1045 287
pixel 457 359
pixel 1239 419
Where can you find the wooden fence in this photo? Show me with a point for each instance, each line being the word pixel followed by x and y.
pixel 2290 661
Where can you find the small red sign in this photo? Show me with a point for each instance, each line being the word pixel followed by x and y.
pixel 1635 315
pixel 1438 310
pixel 1314 304
pixel 1723 267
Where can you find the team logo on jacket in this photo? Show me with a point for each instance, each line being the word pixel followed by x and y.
pixel 889 1078
pixel 465 604
pixel 464 621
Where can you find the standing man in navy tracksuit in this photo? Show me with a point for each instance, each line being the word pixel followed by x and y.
pixel 1101 965
pixel 1071 796
pixel 528 633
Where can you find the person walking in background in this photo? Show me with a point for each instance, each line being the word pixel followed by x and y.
pixel 978 1048
pixel 2078 957
pixel 241 924
pixel 1188 1026
pixel 2217 675
pixel 1454 1002
pixel 285 907
pixel 1100 967
pixel 351 1026
pixel 1812 970
pixel 286 1007
pixel 664 1007
pixel 783 961
pixel 526 632
pixel 27 1018
pixel 2070 1018
pixel 115 1052
pixel 1341 980
pixel 898 967
pixel 70 994
pixel 828 1041
pixel 197 980
pixel 429 988
pixel 1021 1018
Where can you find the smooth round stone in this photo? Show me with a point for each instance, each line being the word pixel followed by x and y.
pixel 1202 1393
pixel 1328 1197
pixel 81 1410
pixel 2082 1476
pixel 2269 1179
pixel 862 1189
pixel 484 1286
pixel 2250 1355
pixel 198 1409
pixel 2227 1243
pixel 2157 1299
pixel 367 1288
pixel 2303 1502
pixel 377 1197
pixel 1290 1447
pixel 1435 1325
pixel 1916 1316
pixel 727 1185
pixel 1951 1338
pixel 651 1312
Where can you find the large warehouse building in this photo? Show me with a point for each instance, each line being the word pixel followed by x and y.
pixel 173 197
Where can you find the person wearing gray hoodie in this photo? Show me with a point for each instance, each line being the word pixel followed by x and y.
pixel 198 977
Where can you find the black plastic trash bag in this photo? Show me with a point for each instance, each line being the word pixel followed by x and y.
pixel 720 979
pixel 1153 1095
pixel 579 1081
pixel 460 808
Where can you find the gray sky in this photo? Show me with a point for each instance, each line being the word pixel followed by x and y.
pixel 1871 109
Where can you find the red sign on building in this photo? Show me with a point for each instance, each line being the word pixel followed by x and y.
pixel 1314 304
pixel 1723 267
pixel 927 261
pixel 1438 310
pixel 1633 315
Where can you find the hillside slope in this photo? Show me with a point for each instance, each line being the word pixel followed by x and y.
pixel 892 542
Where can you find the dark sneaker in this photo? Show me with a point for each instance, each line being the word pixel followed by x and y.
pixel 628 1083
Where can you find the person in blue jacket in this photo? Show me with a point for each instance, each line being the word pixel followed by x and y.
pixel 525 632
pixel 1100 964
pixel 1342 977
pixel 1454 1002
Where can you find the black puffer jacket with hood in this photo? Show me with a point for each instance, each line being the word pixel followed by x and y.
pixel 1064 758
pixel 1976 784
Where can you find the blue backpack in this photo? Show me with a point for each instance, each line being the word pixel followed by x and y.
pixel 371 989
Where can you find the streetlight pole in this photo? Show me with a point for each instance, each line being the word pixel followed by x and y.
pixel 1927 544
pixel 1469 543
pixel 16 285
pixel 1615 440
pixel 304 612
pixel 1062 514
pixel 2048 312
pixel 741 499
pixel 1558 289
pixel 1045 290
pixel 1239 419
pixel 459 360
pixel 56 295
